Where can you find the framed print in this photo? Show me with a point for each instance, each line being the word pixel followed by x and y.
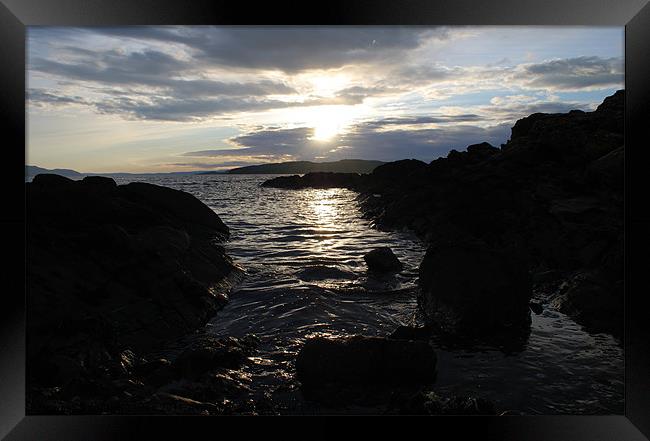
pixel 374 209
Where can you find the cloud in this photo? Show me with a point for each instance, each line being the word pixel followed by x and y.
pixel 152 69
pixel 41 97
pixel 572 74
pixel 368 140
pixel 169 73
pixel 180 110
pixel 288 49
pixel 217 165
pixel 154 73
pixel 266 142
pixel 514 107
pixel 417 120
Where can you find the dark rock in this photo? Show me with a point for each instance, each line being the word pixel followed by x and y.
pixel 162 374
pixel 47 180
pixel 164 240
pixel 593 301
pixel 482 151
pixel 179 204
pixel 537 308
pixel 99 184
pixel 169 404
pixel 546 276
pixel 364 360
pixel 382 260
pixel 459 405
pixel 403 168
pixel 148 367
pixel 315 180
pixel 468 287
pixel 553 192
pixel 608 169
pixel 411 333
pixel 430 403
pixel 114 271
pixel 207 353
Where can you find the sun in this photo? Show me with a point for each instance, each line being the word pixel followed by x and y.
pixel 326 130
pixel 329 121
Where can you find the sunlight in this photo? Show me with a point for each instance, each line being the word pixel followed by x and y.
pixel 330 121
pixel 327 85
pixel 325 130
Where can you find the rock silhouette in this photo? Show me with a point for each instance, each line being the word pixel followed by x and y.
pixel 382 260
pixel 315 180
pixel 113 269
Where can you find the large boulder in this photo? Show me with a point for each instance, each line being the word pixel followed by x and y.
pixel 382 260
pixel 114 268
pixel 179 204
pixel 364 360
pixel 468 287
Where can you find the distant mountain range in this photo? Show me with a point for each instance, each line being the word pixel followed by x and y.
pixel 32 170
pixel 294 167
pixel 300 167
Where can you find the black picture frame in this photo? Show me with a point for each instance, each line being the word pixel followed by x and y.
pixel 15 15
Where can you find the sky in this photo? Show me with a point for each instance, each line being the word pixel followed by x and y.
pixel 161 99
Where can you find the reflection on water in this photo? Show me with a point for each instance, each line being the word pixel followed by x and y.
pixel 303 255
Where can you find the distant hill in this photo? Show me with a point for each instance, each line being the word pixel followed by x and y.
pixel 300 167
pixel 33 170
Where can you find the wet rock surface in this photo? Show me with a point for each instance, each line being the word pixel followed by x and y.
pixel 114 271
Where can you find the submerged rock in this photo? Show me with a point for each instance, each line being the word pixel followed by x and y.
pixel 364 360
pixel 468 287
pixel 382 260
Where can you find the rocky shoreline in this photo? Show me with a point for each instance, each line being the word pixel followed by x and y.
pixel 541 217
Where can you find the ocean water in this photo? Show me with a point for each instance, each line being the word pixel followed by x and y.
pixel 302 252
